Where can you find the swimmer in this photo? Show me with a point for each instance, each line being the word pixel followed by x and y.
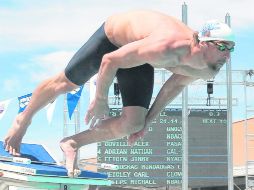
pixel 129 46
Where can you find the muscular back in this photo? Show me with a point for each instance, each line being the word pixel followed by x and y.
pixel 124 28
pixel 132 26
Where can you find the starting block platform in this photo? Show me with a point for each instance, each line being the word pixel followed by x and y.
pixel 43 172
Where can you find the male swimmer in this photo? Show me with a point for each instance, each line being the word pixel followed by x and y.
pixel 129 46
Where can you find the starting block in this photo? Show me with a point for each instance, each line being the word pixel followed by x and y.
pixel 43 172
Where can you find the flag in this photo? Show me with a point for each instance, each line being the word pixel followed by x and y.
pixel 3 107
pixel 50 110
pixel 23 101
pixel 72 99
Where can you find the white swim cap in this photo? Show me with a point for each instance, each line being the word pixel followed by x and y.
pixel 215 30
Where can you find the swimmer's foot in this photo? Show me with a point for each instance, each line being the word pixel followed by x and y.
pixel 15 134
pixel 70 150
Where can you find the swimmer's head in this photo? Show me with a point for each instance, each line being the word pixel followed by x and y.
pixel 215 30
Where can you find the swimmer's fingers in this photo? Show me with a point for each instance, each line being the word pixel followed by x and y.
pixel 90 112
pixel 93 122
pixel 137 136
pixel 107 116
pixel 88 117
pixel 132 139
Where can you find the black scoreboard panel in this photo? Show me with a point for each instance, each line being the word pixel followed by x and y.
pixel 157 159
pixel 208 161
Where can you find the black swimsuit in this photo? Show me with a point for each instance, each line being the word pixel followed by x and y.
pixel 136 84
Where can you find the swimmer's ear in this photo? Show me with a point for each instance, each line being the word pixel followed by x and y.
pixel 195 38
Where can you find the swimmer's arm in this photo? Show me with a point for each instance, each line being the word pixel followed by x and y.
pixel 131 55
pixel 169 91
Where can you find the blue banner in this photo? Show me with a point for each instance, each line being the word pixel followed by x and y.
pixel 72 99
pixel 23 101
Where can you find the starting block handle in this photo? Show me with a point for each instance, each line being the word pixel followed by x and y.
pixel 102 165
pixel 109 166
pixel 16 159
pixel 29 161
pixel 21 160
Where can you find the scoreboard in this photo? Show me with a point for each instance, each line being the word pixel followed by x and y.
pixel 157 159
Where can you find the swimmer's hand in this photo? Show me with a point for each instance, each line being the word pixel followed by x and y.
pixel 97 110
pixel 136 136
pixel 140 134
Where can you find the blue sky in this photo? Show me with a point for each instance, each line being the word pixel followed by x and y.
pixel 38 38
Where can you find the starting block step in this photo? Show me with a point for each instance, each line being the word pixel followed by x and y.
pixel 43 169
